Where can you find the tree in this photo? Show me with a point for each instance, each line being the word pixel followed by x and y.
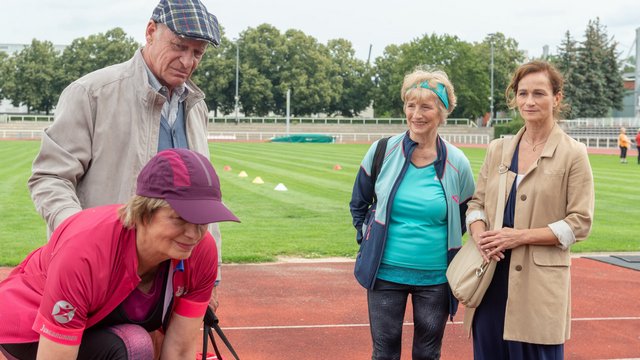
pixel 628 65
pixel 470 78
pixel 216 76
pixel 463 65
pixel 34 79
pixel 4 72
pixel 601 85
pixel 262 54
pixel 506 58
pixel 256 92
pixel 309 73
pixel 290 61
pixel 356 79
pixel 390 71
pixel 466 64
pixel 614 84
pixel 567 64
pixel 94 52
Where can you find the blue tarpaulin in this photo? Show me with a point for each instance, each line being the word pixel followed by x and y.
pixel 304 138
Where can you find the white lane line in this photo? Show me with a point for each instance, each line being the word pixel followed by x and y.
pixel 274 327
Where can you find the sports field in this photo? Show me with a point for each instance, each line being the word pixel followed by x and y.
pixel 311 219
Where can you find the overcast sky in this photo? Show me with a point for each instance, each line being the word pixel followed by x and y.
pixel 532 23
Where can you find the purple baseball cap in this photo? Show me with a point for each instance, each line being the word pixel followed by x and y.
pixel 188 182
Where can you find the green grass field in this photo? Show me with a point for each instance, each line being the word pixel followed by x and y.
pixel 312 218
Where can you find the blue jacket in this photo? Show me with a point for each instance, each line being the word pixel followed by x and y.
pixel 454 172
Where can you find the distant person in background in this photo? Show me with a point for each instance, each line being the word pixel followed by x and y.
pixel 408 234
pixel 526 311
pixel 624 143
pixel 111 274
pixel 638 145
pixel 110 123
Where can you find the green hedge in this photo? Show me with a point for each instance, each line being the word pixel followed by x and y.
pixel 510 128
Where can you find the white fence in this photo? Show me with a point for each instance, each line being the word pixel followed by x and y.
pixel 602 122
pixel 266 136
pixel 6 118
pixel 25 118
pixel 20 134
pixel 326 120
pixel 599 141
pixel 340 138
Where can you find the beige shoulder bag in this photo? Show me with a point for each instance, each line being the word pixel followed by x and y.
pixel 468 274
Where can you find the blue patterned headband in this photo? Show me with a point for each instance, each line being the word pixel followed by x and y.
pixel 439 90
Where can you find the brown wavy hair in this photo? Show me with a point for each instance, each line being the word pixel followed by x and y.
pixel 537 66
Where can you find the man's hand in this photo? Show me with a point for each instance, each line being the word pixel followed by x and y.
pixel 213 302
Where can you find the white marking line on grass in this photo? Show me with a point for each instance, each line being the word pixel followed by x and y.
pixel 277 327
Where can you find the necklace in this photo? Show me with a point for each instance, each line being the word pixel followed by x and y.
pixel 534 146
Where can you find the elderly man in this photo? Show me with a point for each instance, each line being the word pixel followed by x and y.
pixel 111 122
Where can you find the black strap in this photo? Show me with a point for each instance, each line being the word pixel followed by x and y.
pixel 378 158
pixel 211 321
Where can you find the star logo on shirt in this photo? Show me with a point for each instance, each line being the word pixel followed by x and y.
pixel 63 312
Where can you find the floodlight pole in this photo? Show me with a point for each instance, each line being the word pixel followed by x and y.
pixel 491 96
pixel 237 76
pixel 637 77
pixel 288 108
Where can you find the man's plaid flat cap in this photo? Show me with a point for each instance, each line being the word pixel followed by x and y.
pixel 188 18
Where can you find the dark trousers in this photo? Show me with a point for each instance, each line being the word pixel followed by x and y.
pixel 623 152
pixel 488 325
pixel 387 303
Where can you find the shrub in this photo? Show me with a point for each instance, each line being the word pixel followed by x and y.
pixel 510 128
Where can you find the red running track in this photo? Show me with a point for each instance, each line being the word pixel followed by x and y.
pixel 316 310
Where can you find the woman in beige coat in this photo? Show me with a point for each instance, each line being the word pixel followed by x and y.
pixel 526 311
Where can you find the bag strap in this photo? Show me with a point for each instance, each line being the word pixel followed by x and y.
pixel 211 321
pixel 502 186
pixel 378 158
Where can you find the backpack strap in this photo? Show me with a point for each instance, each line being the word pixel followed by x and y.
pixel 378 158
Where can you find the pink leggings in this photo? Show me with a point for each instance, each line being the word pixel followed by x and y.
pixel 120 342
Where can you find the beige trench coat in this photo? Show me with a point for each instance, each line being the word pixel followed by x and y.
pixel 558 187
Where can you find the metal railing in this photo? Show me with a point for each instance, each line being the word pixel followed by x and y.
pixel 601 142
pixel 471 139
pixel 326 121
pixel 307 120
pixel 339 138
pixel 262 120
pixel 25 118
pixel 602 122
pixel 500 120
pixel 14 134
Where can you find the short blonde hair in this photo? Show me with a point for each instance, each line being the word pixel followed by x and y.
pixel 411 88
pixel 139 209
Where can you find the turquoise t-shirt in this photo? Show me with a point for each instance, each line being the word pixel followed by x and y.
pixel 416 248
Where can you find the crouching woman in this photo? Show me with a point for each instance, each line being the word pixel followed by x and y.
pixel 111 274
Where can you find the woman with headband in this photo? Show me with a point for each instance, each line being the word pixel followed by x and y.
pixel 408 221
